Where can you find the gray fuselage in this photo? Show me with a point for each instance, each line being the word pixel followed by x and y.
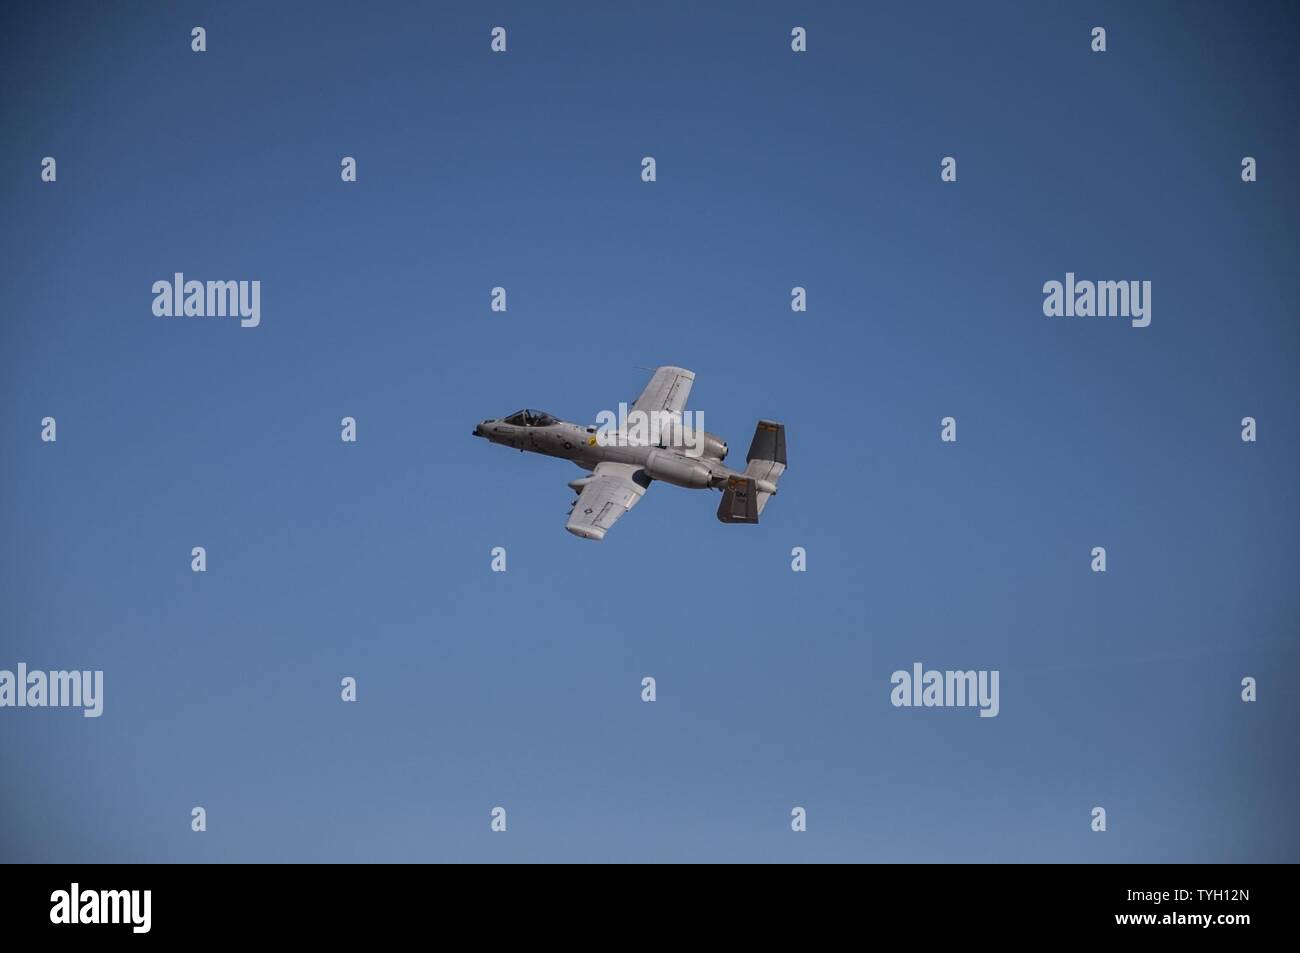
pixel 570 441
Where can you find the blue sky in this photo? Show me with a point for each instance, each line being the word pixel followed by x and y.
pixel 522 689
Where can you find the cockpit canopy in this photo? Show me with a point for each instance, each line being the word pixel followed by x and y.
pixel 530 418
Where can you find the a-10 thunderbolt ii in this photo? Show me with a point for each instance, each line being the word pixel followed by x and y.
pixel 653 441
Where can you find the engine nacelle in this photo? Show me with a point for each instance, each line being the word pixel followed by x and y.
pixel 679 471
pixel 715 448
pixel 712 446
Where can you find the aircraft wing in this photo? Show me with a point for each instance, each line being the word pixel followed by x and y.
pixel 611 490
pixel 667 391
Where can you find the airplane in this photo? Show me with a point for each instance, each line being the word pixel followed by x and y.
pixel 620 473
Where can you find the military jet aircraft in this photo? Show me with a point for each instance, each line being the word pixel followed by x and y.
pixel 622 468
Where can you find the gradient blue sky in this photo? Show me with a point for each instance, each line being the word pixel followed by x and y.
pixel 522 689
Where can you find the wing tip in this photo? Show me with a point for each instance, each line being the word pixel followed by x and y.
pixel 677 370
pixel 586 532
